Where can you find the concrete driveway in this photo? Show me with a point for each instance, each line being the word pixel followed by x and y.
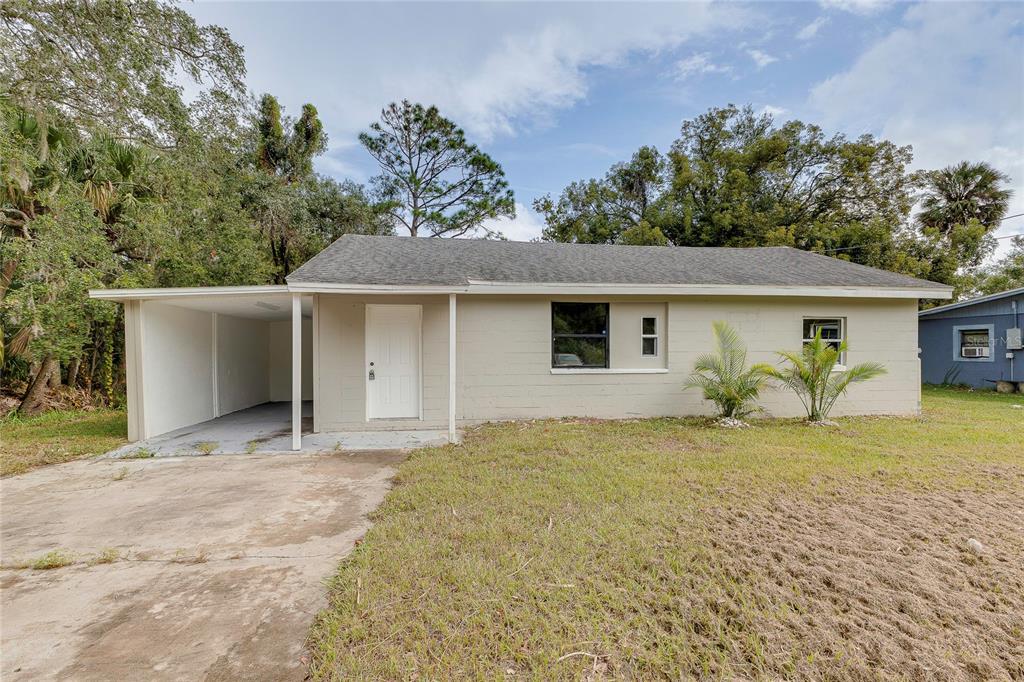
pixel 216 564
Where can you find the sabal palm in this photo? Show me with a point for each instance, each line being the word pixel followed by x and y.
pixel 811 374
pixel 724 376
pixel 957 194
pixel 113 174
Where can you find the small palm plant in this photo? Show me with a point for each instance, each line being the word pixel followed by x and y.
pixel 725 378
pixel 812 375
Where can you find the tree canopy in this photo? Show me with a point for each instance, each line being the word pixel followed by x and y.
pixel 432 179
pixel 113 64
pixel 737 178
pixel 1006 273
pixel 111 179
pixel 961 206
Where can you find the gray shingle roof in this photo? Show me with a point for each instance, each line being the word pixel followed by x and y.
pixel 365 260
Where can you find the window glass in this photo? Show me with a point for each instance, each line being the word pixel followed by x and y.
pixel 831 329
pixel 832 332
pixel 580 352
pixel 974 343
pixel 580 318
pixel 649 336
pixel 579 335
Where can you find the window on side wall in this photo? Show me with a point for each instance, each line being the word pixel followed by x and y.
pixel 833 332
pixel 579 335
pixel 974 344
pixel 649 337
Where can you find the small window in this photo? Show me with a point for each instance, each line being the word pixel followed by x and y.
pixel 579 335
pixel 974 343
pixel 833 332
pixel 649 337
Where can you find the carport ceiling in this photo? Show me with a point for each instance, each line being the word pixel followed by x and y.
pixel 254 306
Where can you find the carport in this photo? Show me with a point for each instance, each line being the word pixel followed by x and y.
pixel 197 354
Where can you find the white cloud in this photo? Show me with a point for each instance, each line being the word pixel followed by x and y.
pixel 811 30
pixel 947 81
pixel 588 149
pixel 530 75
pixel 772 111
pixel 697 65
pixel 496 68
pixel 762 59
pixel 526 226
pixel 863 7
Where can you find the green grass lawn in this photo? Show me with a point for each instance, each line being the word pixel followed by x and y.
pixel 669 548
pixel 59 436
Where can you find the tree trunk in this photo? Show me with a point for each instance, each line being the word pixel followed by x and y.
pixel 7 271
pixel 90 375
pixel 36 391
pixel 54 381
pixel 73 366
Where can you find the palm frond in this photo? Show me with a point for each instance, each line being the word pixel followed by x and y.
pixel 812 375
pixel 723 376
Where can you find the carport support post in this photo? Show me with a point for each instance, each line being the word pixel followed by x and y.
pixel 451 368
pixel 296 372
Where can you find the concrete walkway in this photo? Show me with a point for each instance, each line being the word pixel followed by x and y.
pixel 267 428
pixel 216 564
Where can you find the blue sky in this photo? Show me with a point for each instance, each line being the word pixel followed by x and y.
pixel 559 92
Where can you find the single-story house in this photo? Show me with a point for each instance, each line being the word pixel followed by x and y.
pixel 974 342
pixel 404 333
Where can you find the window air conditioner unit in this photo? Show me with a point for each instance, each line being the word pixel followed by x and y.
pixel 975 352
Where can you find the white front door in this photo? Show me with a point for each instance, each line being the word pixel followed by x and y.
pixel 393 361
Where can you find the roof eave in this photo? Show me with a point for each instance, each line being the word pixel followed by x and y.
pixel 179 292
pixel 568 288
pixel 972 301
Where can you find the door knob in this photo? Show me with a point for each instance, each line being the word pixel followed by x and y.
pixel 371 375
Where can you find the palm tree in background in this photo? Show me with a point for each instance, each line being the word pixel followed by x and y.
pixel 956 195
pixel 961 206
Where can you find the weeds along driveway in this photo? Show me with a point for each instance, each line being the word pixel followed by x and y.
pixel 182 568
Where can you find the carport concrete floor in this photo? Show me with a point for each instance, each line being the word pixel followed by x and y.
pixel 268 428
pixel 219 568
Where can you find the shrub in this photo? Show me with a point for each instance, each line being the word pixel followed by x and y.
pixel 725 378
pixel 811 374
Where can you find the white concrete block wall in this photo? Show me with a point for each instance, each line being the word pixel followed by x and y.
pixel 504 356
pixel 172 363
pixel 342 362
pixel 280 360
pixel 177 367
pixel 242 363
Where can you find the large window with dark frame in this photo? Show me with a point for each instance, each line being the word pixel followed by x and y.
pixel 579 335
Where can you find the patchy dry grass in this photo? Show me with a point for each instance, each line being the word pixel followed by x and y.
pixel 59 436
pixel 107 556
pixel 54 559
pixel 670 549
pixel 139 453
pixel 206 447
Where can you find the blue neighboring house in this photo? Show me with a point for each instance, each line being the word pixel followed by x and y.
pixel 973 342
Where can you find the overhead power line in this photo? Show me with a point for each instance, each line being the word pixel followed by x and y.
pixel 1015 215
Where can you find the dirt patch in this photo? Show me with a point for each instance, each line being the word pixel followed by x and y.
pixel 869 583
